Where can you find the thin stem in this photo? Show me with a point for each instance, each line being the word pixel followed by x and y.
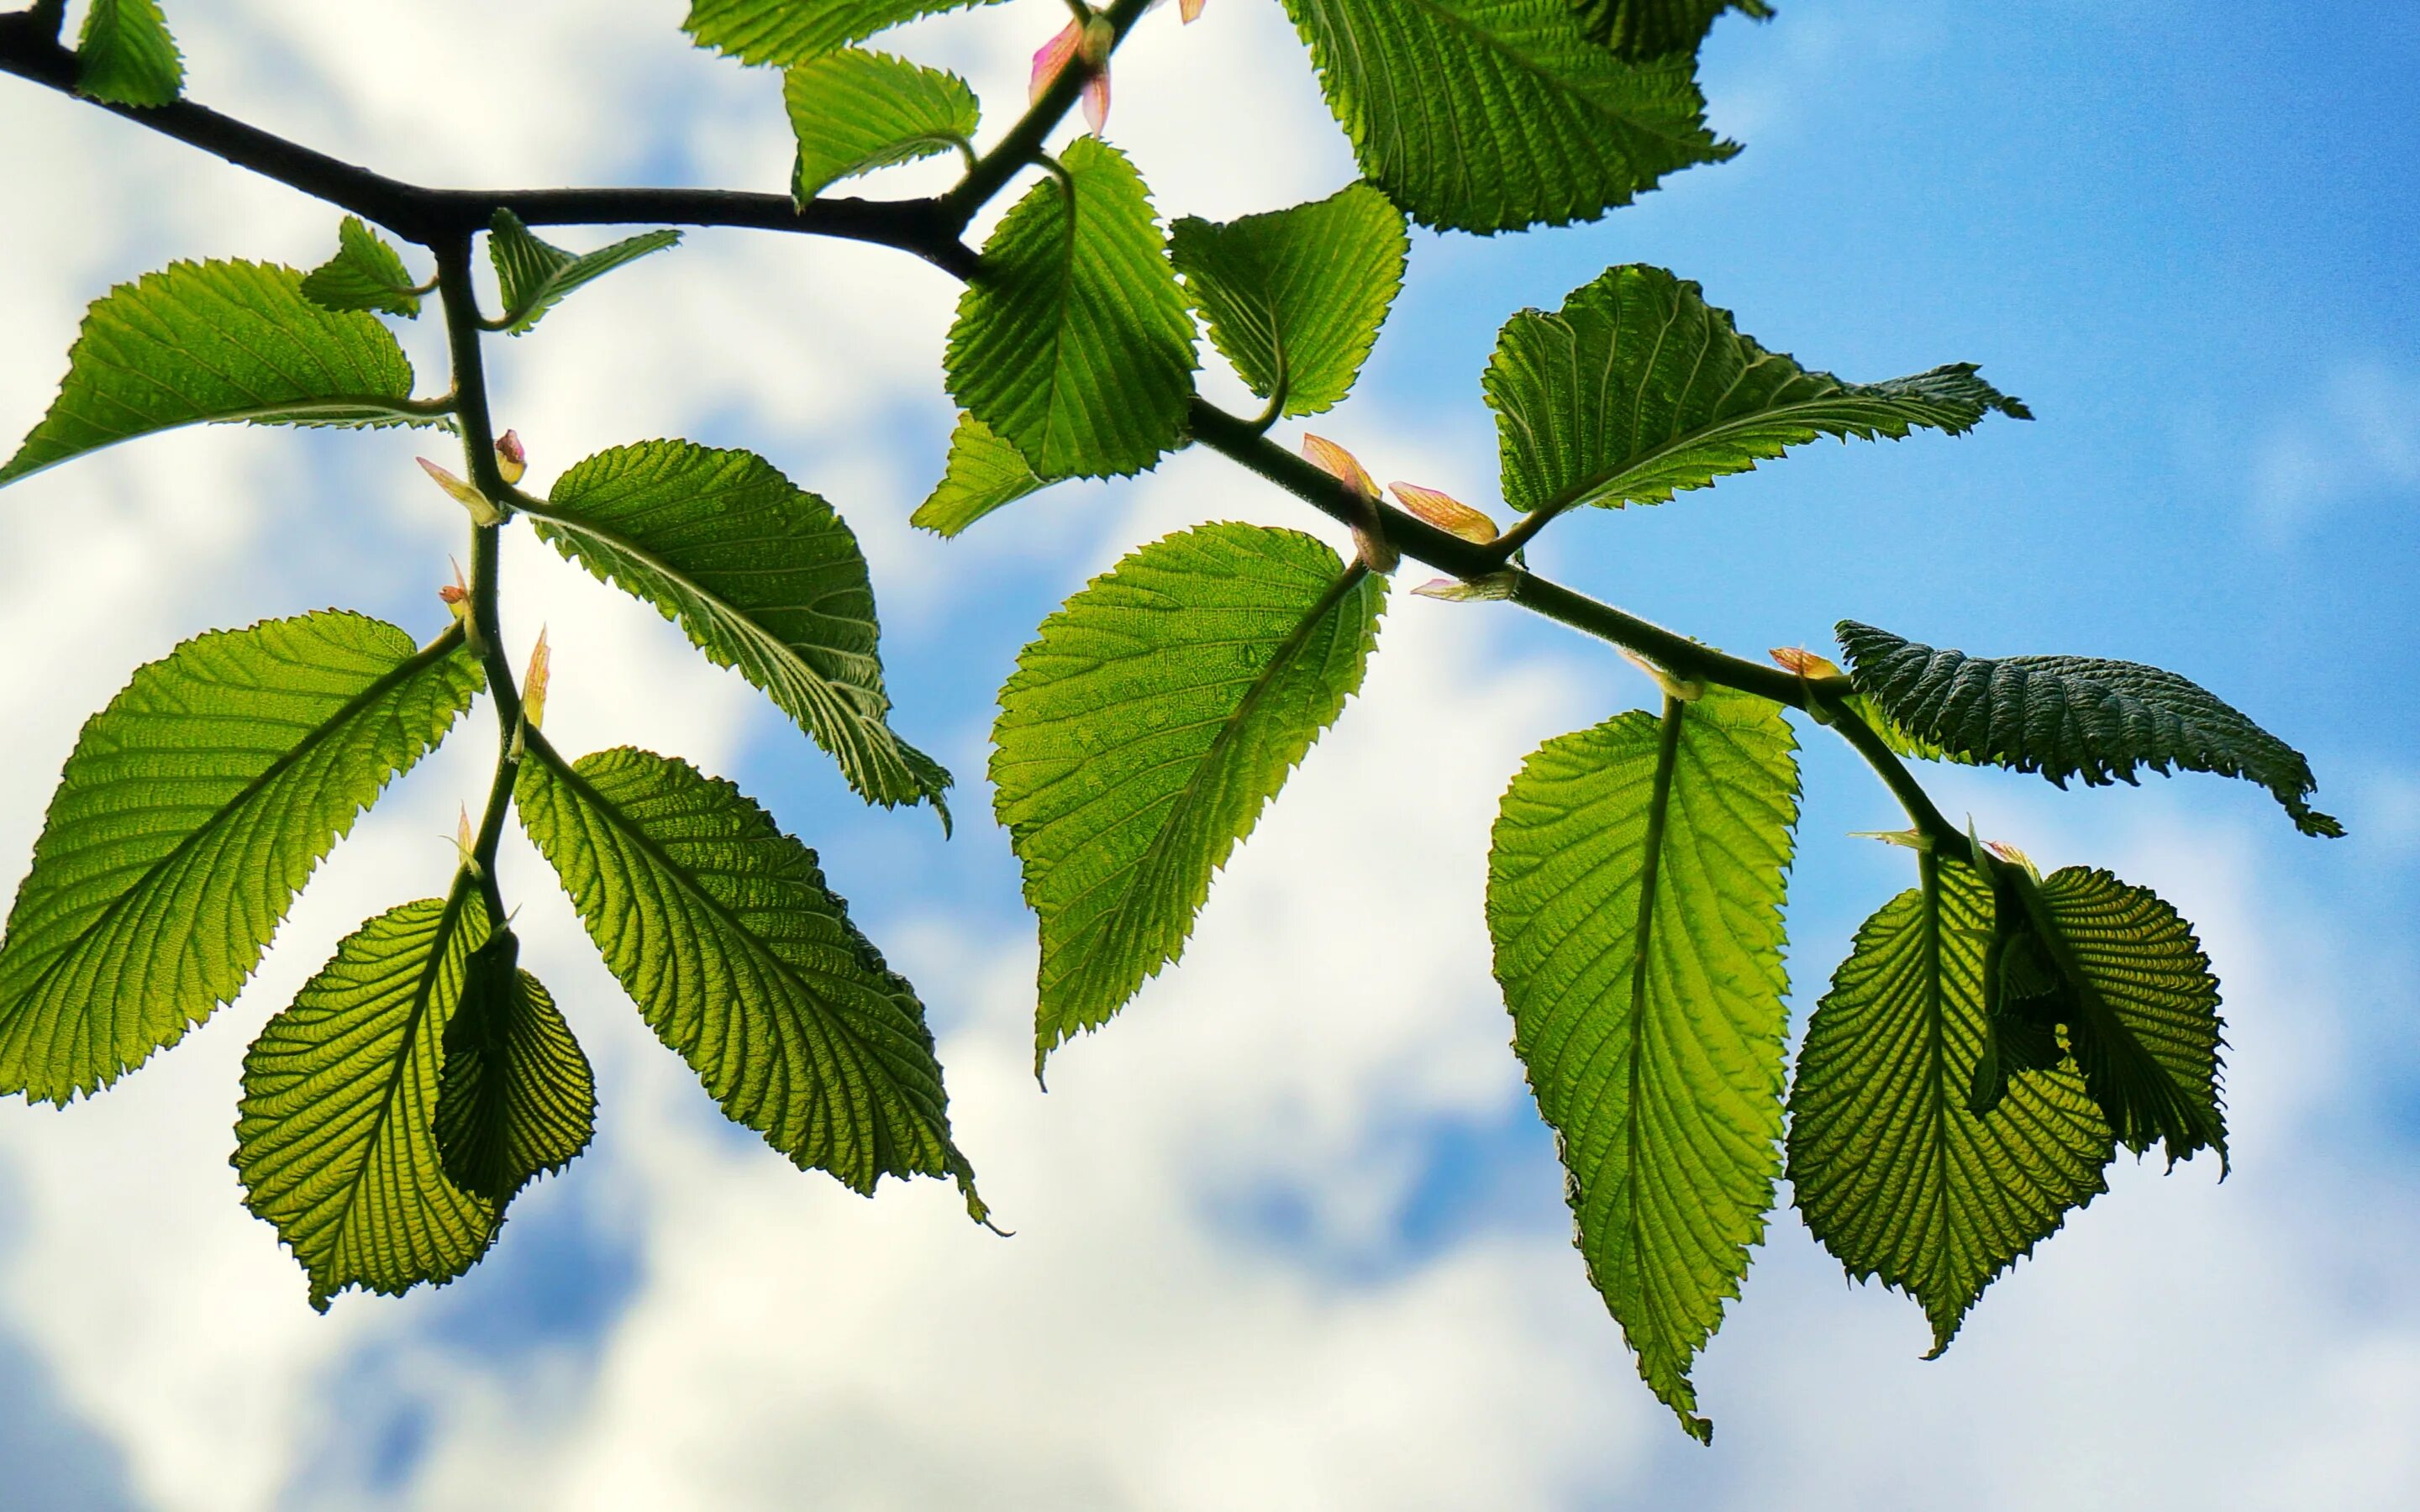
pixel 1022 145
pixel 1922 811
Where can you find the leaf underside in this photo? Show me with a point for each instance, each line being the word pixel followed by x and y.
pixel 1145 729
pixel 366 274
pixel 2075 716
pixel 1638 388
pixel 217 341
pixel 853 111
pixel 1894 1174
pixel 515 1097
pixel 126 57
pixel 765 578
pixel 1074 345
pixel 722 929
pixel 984 473
pixel 334 1139
pixel 1493 115
pixel 536 275
pixel 795 31
pixel 191 812
pixel 1296 295
pixel 1634 891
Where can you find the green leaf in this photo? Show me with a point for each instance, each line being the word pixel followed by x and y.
pixel 984 473
pixel 1643 29
pixel 1491 115
pixel 1143 732
pixel 191 812
pixel 1074 343
pixel 1637 388
pixel 720 928
pixel 2074 716
pixel 1633 893
pixel 218 341
pixel 536 275
pixel 1295 298
pixel 854 112
pixel 366 274
pixel 1895 1177
pixel 764 578
pixel 2140 1010
pixel 126 57
pixel 333 1138
pixel 794 31
pixel 516 1099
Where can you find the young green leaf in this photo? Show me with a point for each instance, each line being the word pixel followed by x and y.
pixel 218 341
pixel 1643 29
pixel 765 578
pixel 333 1138
pixel 2142 1013
pixel 1144 731
pixel 1634 892
pixel 1638 388
pixel 794 31
pixel 1895 1177
pixel 983 475
pixel 191 812
pixel 1490 115
pixel 516 1099
pixel 366 274
pixel 1074 343
pixel 126 57
pixel 1295 298
pixel 536 275
pixel 720 928
pixel 2074 716
pixel 854 112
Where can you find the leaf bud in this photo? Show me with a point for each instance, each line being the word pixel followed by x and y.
pixel 534 682
pixel 1445 512
pixel 1805 663
pixel 511 461
pixel 482 511
pixel 1369 534
pixel 1680 689
pixel 1486 587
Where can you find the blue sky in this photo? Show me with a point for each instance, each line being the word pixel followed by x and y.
pixel 1289 1233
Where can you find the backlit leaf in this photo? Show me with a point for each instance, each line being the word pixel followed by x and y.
pixel 984 473
pixel 366 274
pixel 854 112
pixel 793 31
pixel 536 275
pixel 126 57
pixel 515 1097
pixel 1641 29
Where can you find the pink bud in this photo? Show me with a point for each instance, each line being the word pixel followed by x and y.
pixel 1493 585
pixel 1339 464
pixel 1190 10
pixel 534 682
pixel 1804 663
pixel 482 512
pixel 1051 60
pixel 456 595
pixel 511 461
pixel 1445 512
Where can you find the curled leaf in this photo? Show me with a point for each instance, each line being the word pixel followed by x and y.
pixel 482 511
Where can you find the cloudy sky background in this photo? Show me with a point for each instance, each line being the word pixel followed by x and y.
pixel 1290 1233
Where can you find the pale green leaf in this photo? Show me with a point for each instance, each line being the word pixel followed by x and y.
pixel 1895 1175
pixel 794 31
pixel 720 928
pixel 126 57
pixel 1638 388
pixel 516 1099
pixel 1074 343
pixel 2074 716
pixel 983 475
pixel 1492 115
pixel 1295 298
pixel 1642 29
pixel 218 341
pixel 536 275
pixel 854 112
pixel 366 274
pixel 1634 893
pixel 764 578
pixel 191 812
pixel 1144 731
pixel 334 1137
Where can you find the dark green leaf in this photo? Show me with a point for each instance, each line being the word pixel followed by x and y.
pixel 2074 716
pixel 720 928
pixel 366 274
pixel 1643 29
pixel 1637 388
pixel 765 578
pixel 536 275
pixel 1142 733
pixel 126 56
pixel 793 31
pixel 1074 343
pixel 218 341
pixel 516 1099
pixel 1295 298
pixel 984 473
pixel 1895 1175
pixel 854 112
pixel 191 812
pixel 1634 893
pixel 333 1138
pixel 1490 115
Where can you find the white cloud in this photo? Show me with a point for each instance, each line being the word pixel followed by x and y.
pixel 2359 434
